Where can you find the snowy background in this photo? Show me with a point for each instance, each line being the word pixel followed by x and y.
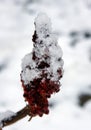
pixel 70 109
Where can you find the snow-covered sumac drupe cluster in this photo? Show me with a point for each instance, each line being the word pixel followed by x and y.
pixel 42 68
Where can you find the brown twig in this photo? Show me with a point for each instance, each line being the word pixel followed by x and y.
pixel 19 115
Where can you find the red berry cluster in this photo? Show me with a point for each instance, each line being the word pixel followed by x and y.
pixel 40 89
pixel 38 95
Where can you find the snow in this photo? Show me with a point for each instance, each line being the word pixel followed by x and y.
pixel 42 25
pixel 16 29
pixel 27 74
pixel 27 61
pixel 49 46
pixel 5 115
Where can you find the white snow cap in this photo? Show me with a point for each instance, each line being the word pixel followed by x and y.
pixel 46 44
pixel 42 25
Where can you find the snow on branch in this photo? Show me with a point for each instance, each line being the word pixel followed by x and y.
pixel 8 118
pixel 6 115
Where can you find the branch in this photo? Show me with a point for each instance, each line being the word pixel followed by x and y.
pixel 14 118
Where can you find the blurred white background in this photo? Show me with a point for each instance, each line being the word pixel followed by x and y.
pixel 70 109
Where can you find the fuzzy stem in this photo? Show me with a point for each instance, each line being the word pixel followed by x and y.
pixel 19 115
